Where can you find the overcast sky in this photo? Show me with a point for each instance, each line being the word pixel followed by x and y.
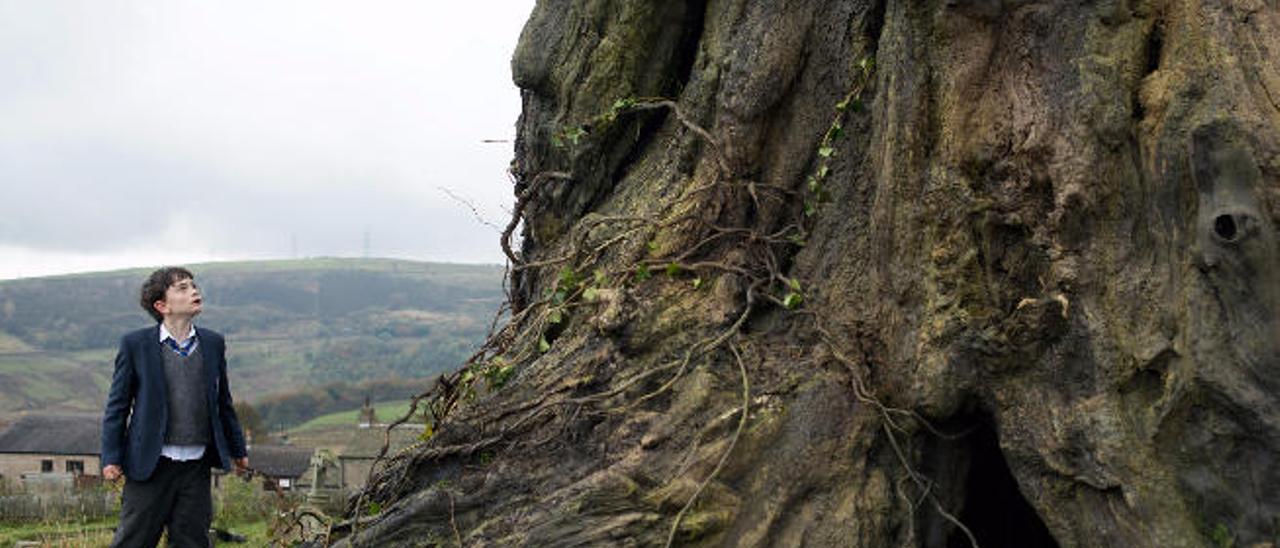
pixel 146 132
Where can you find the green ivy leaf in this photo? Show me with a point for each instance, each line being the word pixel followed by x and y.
pixel 554 317
pixel 543 345
pixel 697 283
pixel 652 245
pixel 591 294
pixel 496 374
pixel 673 269
pixel 794 283
pixel 792 300
pixel 826 152
pixel 823 170
pixel 624 103
pixel 1221 536
pixel 643 273
pixel 568 278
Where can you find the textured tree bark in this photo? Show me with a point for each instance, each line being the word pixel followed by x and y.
pixel 1033 272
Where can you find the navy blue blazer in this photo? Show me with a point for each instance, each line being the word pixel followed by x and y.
pixel 137 411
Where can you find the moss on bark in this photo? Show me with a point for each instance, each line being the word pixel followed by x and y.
pixel 1053 220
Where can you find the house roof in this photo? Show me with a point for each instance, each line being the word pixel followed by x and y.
pixel 367 442
pixel 280 461
pixel 64 434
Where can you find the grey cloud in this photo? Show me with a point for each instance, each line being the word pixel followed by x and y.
pixel 249 125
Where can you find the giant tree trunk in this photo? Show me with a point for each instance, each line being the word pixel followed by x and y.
pixel 1010 264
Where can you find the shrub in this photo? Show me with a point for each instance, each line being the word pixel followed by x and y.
pixel 241 501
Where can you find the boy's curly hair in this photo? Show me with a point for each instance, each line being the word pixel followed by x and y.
pixel 153 289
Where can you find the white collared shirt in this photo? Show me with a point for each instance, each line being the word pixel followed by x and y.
pixel 180 452
pixel 165 334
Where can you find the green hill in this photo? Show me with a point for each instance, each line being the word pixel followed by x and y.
pixel 386 411
pixel 291 326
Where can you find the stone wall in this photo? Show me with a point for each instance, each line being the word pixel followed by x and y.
pixel 13 466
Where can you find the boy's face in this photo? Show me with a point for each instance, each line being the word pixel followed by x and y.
pixel 181 298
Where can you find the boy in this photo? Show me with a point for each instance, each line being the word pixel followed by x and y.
pixel 169 418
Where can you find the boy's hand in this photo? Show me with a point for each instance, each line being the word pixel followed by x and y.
pixel 242 464
pixel 112 472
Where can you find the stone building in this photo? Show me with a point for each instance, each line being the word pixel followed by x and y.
pixel 41 447
pixel 361 450
pixel 281 465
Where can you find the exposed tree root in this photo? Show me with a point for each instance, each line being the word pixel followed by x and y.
pixel 742 423
pixel 759 267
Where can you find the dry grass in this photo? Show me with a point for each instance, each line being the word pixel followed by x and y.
pixel 58 534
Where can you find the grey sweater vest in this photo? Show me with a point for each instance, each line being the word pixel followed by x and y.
pixel 188 399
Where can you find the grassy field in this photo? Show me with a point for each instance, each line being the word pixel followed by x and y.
pixel 292 326
pixel 90 534
pixel 387 412
pixel 97 534
pixel 62 381
pixel 11 344
pixel 255 533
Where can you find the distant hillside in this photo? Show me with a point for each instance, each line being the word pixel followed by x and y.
pixel 291 325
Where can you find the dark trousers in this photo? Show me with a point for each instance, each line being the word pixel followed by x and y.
pixel 176 497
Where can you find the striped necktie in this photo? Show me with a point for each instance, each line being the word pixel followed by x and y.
pixel 184 350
